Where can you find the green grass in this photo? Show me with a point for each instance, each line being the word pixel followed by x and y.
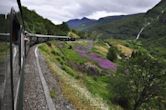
pixel 100 48
pixel 69 70
pixel 53 93
pixel 98 86
pixel 99 51
pixel 44 48
pixel 73 56
pixel 69 91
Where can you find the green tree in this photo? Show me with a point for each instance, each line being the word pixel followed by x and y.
pixel 64 27
pixel 141 84
pixel 37 24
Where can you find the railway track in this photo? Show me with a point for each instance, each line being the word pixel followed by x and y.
pixel 39 81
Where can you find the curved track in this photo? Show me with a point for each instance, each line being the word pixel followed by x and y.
pixel 38 83
pixel 34 97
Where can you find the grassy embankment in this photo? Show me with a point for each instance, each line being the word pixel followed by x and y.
pixel 83 87
pixel 73 81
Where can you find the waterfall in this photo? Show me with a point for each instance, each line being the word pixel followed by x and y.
pixel 142 29
pixel 162 11
pixel 140 33
pixel 147 24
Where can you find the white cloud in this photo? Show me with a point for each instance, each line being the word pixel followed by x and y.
pixel 99 14
pixel 63 10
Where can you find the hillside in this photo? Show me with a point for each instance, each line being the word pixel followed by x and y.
pixel 77 23
pixel 154 36
pixel 130 25
pixel 116 26
pixel 37 24
pixel 97 70
pixel 157 19
pixel 150 26
pixel 85 23
pixel 123 27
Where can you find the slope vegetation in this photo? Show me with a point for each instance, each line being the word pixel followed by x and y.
pixel 37 24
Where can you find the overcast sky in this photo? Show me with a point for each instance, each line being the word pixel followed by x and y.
pixel 64 10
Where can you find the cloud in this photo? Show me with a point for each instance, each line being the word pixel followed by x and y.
pixel 99 14
pixel 5 6
pixel 63 10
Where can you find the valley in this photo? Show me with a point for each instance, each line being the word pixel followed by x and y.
pixel 83 69
pixel 87 76
pixel 148 28
pixel 114 63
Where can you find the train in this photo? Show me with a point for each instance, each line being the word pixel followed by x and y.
pixel 13 50
pixel 15 42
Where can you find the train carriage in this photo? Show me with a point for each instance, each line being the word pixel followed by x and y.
pixel 14 45
pixel 12 54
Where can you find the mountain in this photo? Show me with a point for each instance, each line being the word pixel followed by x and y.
pixel 75 23
pixel 35 23
pixel 125 26
pixel 151 27
pixel 110 19
pixel 157 19
pixel 116 26
pixel 154 36
pixel 156 10
pixel 84 23
pixel 128 26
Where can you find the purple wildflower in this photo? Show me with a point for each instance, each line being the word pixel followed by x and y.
pixel 102 62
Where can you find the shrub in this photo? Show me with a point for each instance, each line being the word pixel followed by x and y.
pixel 112 54
pixel 70 47
pixel 49 44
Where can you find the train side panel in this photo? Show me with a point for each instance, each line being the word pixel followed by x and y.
pixel 12 54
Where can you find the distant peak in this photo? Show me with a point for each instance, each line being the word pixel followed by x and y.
pixel 84 18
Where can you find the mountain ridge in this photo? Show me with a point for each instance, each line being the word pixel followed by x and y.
pixel 128 26
pixel 75 23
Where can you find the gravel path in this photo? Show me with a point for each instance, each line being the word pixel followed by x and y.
pixel 34 98
pixel 59 101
